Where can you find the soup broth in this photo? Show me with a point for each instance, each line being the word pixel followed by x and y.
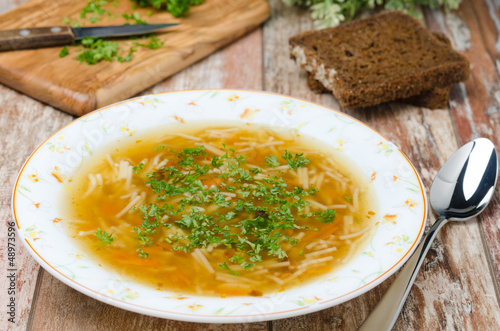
pixel 220 209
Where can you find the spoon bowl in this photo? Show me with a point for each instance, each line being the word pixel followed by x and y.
pixel 465 184
pixel 462 188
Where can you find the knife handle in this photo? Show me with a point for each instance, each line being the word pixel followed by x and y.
pixel 36 38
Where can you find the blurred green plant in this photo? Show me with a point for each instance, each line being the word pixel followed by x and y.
pixel 329 13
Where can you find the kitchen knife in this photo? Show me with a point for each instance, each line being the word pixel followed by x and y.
pixel 65 35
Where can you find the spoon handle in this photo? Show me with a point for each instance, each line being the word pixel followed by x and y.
pixel 387 310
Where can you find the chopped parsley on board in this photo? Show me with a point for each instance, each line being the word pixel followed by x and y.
pixel 95 50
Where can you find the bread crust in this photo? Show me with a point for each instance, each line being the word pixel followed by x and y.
pixel 379 59
pixel 437 98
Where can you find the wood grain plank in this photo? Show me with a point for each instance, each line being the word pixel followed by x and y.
pixel 44 75
pixel 24 124
pixel 475 105
pixel 231 67
pixel 454 278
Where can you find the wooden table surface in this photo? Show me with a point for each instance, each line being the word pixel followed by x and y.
pixel 458 286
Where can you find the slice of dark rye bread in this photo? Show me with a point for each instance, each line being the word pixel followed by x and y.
pixel 382 58
pixel 437 98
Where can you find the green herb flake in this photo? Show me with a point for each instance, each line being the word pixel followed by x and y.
pixel 153 43
pixel 272 161
pixel 217 162
pixel 196 151
pixel 142 253
pixel 104 237
pixel 159 147
pixel 223 266
pixel 93 7
pixel 126 58
pixel 64 52
pixel 327 216
pixel 296 161
pixel 138 168
pixel 135 17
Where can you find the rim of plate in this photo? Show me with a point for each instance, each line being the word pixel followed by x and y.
pixel 200 318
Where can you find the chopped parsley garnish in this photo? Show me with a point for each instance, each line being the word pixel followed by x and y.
pixel 126 58
pixel 134 17
pixel 152 43
pixel 159 147
pixel 104 237
pixel 224 266
pixel 328 216
pixel 216 162
pixel 272 161
pixel 93 7
pixel 138 168
pixel 64 51
pixel 142 253
pixel 254 218
pixel 96 50
pixel 197 151
pixel 296 161
pixel 348 198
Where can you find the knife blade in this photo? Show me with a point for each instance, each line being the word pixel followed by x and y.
pixel 65 35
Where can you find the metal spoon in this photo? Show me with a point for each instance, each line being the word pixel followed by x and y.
pixel 461 189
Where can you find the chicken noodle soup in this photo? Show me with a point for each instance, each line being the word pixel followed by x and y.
pixel 221 209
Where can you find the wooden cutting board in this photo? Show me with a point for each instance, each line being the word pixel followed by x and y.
pixel 79 88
